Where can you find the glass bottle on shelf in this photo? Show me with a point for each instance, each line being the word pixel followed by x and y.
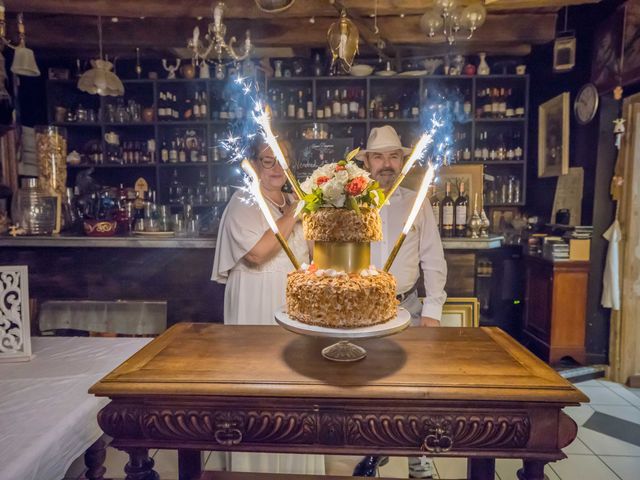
pixel 435 206
pixel 318 67
pixel 447 212
pixel 175 188
pixel 309 104
pixel 461 210
pixel 328 105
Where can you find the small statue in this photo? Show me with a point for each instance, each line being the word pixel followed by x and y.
pixel 171 68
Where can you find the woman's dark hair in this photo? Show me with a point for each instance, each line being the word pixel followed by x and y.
pixel 258 145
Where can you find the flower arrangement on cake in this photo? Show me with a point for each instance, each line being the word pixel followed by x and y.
pixel 341 203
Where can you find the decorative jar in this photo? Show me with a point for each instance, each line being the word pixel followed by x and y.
pixel 34 209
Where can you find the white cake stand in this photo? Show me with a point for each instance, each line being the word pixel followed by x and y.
pixel 344 350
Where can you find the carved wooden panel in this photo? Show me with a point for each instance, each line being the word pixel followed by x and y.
pixel 436 432
pixel 15 327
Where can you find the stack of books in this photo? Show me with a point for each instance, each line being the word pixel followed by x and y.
pixel 582 231
pixel 555 248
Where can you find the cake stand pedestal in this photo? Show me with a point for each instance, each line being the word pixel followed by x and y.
pixel 344 350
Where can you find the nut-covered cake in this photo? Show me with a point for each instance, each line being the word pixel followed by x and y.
pixel 340 289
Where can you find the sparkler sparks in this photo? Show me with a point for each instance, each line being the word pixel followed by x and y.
pixel 417 204
pixel 254 188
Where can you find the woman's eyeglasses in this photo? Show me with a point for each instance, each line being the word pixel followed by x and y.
pixel 267 162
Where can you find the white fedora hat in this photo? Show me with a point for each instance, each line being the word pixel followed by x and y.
pixel 383 139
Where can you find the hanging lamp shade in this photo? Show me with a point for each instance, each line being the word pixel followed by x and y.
pixel 101 80
pixel 24 62
pixel 343 39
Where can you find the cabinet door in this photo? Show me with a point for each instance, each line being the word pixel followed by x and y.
pixel 539 294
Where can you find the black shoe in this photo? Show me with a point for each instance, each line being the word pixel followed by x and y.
pixel 368 466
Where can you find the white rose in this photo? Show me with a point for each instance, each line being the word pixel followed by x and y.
pixel 333 193
pixel 307 186
pixel 355 171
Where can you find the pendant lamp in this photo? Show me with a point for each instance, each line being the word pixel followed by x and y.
pixel 24 61
pixel 100 80
pixel 343 39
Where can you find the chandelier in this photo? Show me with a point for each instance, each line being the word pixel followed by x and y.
pixel 216 46
pixel 452 19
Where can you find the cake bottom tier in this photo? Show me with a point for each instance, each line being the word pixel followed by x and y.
pixel 345 301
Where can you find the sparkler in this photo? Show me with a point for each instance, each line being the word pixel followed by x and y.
pixel 254 188
pixel 422 193
pixel 418 150
pixel 263 118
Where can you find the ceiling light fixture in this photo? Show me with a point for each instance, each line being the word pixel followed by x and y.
pixel 343 37
pixel 217 46
pixel 24 61
pixel 99 79
pixel 450 19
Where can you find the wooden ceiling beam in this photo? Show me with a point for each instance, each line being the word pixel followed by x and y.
pixel 59 31
pixel 248 9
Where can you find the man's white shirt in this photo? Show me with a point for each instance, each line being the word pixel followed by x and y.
pixel 421 249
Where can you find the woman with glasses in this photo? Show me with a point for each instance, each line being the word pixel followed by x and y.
pixel 248 257
pixel 250 261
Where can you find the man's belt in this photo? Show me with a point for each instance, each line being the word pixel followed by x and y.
pixel 403 296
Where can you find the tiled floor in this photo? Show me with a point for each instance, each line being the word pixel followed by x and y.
pixel 592 456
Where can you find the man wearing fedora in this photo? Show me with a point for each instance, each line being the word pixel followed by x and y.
pixel 384 158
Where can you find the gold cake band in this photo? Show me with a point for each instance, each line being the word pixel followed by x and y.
pixel 350 257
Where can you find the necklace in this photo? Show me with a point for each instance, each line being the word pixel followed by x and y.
pixel 279 207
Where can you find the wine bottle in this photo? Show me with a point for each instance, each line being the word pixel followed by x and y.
pixel 435 206
pixel 447 212
pixel 461 207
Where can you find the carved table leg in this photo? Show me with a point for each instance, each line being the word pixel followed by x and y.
pixel 189 464
pixel 94 459
pixel 140 466
pixel 481 469
pixel 533 470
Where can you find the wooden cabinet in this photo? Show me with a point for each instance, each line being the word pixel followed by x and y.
pixel 555 308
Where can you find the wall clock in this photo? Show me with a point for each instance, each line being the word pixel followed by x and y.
pixel 586 103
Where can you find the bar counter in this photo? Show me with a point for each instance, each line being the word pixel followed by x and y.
pixel 79 241
pixel 175 270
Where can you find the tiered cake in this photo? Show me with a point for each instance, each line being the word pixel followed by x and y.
pixel 340 289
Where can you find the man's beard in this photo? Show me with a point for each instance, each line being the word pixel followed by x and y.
pixel 386 177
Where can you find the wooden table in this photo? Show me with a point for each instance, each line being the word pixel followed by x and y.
pixel 445 391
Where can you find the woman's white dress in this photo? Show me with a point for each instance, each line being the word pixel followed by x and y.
pixel 252 295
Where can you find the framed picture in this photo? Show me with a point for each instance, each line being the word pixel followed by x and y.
pixel 564 54
pixel 461 312
pixel 606 65
pixel 553 137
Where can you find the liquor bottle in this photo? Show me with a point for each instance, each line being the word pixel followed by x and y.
pixel 194 155
pixel 182 153
pixel 435 206
pixel 362 110
pixel 344 104
pixel 485 146
pixel 466 106
pixel 336 107
pixel 495 103
pixel 175 188
pixel 301 106
pixel 461 207
pixel 487 106
pixel 447 213
pixel 291 106
pixel 164 152
pixel 162 100
pixel 201 187
pixel 480 102
pixel 216 148
pixel 309 103
pixel 517 146
pixel 203 153
pixel 353 105
pixel 477 153
pixel 501 148
pixel 196 106
pixel 328 110
pixel 502 107
pixel 204 108
pixel 173 153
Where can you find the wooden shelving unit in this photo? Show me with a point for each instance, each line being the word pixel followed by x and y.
pixel 146 92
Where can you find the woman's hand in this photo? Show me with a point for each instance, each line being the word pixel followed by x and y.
pixel 289 210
